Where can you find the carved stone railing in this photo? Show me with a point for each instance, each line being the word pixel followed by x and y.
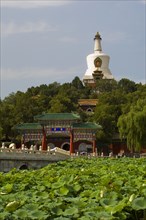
pixel 52 154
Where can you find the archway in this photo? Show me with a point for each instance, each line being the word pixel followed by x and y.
pixel 65 146
pixel 89 110
pixel 23 167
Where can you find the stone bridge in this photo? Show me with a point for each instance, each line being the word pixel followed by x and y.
pixel 29 159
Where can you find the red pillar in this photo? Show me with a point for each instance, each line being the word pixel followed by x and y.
pixel 94 146
pixel 44 142
pixel 71 142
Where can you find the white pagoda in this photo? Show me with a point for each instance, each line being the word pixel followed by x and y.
pixel 97 63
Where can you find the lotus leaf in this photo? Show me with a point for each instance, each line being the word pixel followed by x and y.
pixel 139 203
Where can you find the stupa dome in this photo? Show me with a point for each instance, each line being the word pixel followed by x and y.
pixel 97 63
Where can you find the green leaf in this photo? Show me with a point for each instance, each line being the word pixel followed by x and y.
pixel 86 193
pixel 70 211
pixel 63 191
pixel 31 207
pixel 37 214
pixel 42 195
pixel 77 187
pixel 102 215
pixel 118 207
pixel 144 192
pixel 41 188
pixel 58 185
pixel 139 203
pixel 108 202
pixel 21 214
pixel 4 215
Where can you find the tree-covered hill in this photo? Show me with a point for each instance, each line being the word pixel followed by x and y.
pixel 116 101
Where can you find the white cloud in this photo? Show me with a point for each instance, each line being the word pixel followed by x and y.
pixel 25 4
pixel 29 27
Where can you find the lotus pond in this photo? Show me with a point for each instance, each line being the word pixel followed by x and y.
pixel 81 188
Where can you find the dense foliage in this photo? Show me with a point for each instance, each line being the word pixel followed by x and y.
pixel 115 99
pixel 133 126
pixel 82 188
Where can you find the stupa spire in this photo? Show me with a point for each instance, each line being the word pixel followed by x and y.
pixel 97 42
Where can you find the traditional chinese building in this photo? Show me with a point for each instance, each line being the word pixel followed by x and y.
pixel 88 105
pixel 63 130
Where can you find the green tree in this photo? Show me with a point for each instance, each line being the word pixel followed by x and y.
pixel 103 115
pixel 132 126
pixel 127 85
pixel 77 83
pixel 106 85
pixel 6 120
pixel 65 100
pixel 107 112
pixel 60 104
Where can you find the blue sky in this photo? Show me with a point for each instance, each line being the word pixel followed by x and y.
pixel 47 41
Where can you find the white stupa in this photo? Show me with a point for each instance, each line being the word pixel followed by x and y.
pixel 97 63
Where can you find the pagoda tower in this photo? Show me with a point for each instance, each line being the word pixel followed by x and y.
pixel 98 64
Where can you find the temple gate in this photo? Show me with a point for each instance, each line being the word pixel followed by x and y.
pixel 63 130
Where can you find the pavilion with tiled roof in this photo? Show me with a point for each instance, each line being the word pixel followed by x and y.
pixel 88 105
pixel 64 130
